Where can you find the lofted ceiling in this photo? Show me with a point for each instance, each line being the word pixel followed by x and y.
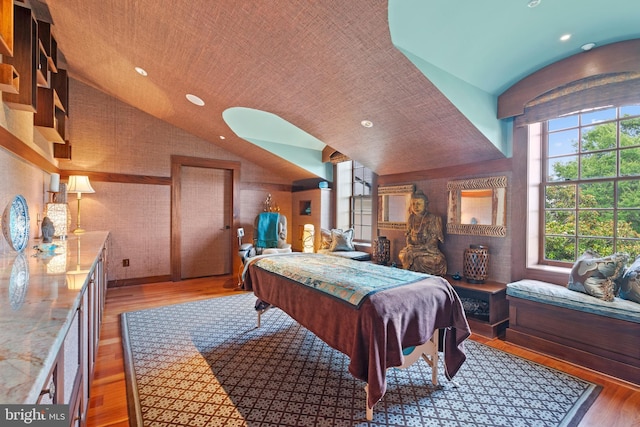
pixel 283 78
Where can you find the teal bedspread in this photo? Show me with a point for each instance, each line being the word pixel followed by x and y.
pixel 341 278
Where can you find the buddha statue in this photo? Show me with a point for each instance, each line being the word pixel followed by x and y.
pixel 424 232
pixel 48 230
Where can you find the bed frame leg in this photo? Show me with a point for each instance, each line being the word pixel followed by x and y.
pixel 260 313
pixel 366 402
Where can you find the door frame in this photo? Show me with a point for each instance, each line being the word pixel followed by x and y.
pixel 177 162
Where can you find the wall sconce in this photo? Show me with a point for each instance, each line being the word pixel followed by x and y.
pixel 308 234
pixel 79 184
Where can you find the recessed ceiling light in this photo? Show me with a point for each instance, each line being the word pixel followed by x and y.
pixel 565 37
pixel 195 100
pixel 141 71
pixel 533 3
pixel 587 46
pixel 366 123
pixel 222 137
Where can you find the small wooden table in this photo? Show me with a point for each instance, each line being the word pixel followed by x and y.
pixel 495 294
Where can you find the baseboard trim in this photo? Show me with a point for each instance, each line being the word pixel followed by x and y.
pixel 138 281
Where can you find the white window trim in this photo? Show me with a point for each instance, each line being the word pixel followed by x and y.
pixel 534 180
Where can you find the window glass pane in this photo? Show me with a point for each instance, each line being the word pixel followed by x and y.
pixel 561 196
pixel 630 110
pixel 630 132
pixel 600 208
pixel 362 178
pixel 598 165
pixel 560 248
pixel 562 168
pixel 630 162
pixel 600 137
pixel 628 223
pixel 363 235
pixel 560 222
pixel 629 194
pixel 596 195
pixel 603 247
pixel 563 122
pixel 595 223
pixel 565 142
pixel 598 116
pixel 632 247
pixel 361 218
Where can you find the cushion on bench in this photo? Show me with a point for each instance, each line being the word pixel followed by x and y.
pixel 354 255
pixel 560 296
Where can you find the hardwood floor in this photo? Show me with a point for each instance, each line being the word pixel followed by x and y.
pixel 618 405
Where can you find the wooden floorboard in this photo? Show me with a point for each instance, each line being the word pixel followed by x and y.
pixel 618 405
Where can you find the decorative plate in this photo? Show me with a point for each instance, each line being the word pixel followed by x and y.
pixel 15 223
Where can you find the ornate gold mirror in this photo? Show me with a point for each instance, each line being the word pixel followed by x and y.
pixel 393 206
pixel 478 206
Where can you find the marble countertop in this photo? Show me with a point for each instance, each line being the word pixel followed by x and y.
pixel 39 294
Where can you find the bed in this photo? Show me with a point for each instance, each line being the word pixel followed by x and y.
pixel 380 317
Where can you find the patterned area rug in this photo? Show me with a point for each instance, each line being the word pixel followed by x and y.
pixel 205 364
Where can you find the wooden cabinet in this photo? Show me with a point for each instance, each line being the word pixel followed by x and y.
pixel 69 379
pixel 310 207
pixel 493 319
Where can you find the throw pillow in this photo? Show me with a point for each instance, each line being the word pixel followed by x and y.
pixel 342 240
pixel 325 238
pixel 630 282
pixel 595 275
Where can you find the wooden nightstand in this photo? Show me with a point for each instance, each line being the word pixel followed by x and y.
pixel 493 293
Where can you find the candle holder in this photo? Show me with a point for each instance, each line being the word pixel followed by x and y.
pixel 476 259
pixel 381 250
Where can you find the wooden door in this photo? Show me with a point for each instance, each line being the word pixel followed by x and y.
pixel 205 221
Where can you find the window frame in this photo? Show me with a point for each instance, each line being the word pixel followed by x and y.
pixel 358 169
pixel 539 161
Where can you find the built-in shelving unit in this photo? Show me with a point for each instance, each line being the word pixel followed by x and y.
pixel 9 79
pixel 494 294
pixel 24 60
pixel 310 207
pixel 32 80
pixel 6 27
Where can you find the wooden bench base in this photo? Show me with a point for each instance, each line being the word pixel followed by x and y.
pixel 597 342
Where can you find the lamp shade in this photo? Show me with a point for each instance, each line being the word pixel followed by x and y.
pixel 308 238
pixel 79 184
pixel 59 214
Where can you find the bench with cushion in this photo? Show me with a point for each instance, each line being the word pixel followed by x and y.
pixel 339 242
pixel 576 327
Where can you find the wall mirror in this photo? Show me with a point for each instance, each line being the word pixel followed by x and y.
pixel 393 206
pixel 478 206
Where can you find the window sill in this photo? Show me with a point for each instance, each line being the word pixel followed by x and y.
pixel 548 273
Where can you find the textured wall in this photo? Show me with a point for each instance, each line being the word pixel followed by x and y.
pixel 19 177
pixel 455 244
pixel 110 136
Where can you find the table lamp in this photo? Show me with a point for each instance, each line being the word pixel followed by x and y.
pixel 79 184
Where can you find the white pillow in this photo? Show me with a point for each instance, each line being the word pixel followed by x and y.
pixel 342 240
